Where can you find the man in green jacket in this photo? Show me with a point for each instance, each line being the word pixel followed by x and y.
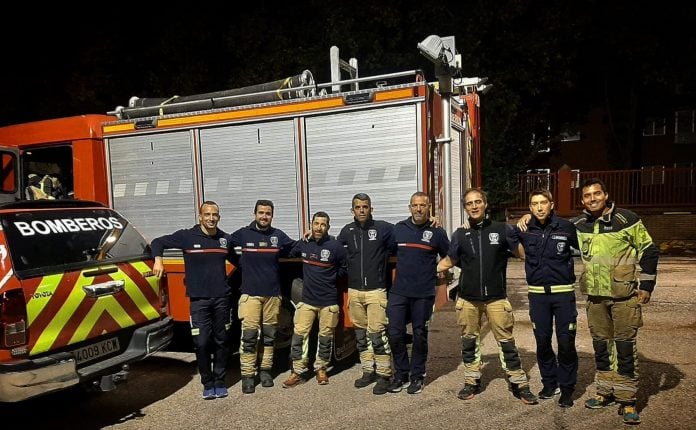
pixel 614 243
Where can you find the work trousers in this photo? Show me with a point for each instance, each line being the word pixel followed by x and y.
pixel 614 327
pixel 305 315
pixel 501 320
pixel 545 311
pixel 401 310
pixel 368 313
pixel 210 320
pixel 259 316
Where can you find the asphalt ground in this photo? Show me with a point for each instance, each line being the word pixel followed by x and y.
pixel 164 391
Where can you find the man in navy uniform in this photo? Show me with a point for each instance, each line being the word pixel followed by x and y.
pixel 412 297
pixel 548 263
pixel 206 249
pixel 259 305
pixel 323 262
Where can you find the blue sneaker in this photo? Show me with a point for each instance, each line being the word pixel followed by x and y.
pixel 208 393
pixel 220 392
pixel 630 414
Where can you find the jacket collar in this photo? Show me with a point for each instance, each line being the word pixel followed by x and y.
pixel 197 230
pixel 368 223
pixel 552 221
pixel 481 224
pixel 606 216
pixel 325 238
pixel 252 226
pixel 408 222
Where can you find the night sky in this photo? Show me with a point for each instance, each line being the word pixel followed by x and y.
pixel 550 62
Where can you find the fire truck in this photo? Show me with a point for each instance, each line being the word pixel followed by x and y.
pixel 306 146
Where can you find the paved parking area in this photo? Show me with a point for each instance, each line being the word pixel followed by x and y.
pixel 164 391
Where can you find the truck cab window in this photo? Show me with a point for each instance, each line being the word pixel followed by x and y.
pixel 8 175
pixel 48 173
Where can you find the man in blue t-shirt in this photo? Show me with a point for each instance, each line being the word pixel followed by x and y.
pixel 412 296
pixel 205 249
pixel 323 262
pixel 259 305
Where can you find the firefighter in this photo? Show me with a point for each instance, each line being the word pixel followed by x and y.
pixel 259 304
pixel 323 262
pixel 206 249
pixel 549 267
pixel 369 243
pixel 412 297
pixel 482 251
pixel 43 188
pixel 612 241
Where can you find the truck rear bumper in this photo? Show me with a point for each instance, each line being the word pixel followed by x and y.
pixel 25 379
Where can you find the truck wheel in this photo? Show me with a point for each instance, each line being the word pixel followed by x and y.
pixel 285 325
pixel 296 291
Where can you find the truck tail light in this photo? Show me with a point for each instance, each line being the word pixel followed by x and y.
pixel 13 317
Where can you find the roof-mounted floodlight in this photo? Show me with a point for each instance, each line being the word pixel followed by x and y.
pixel 439 50
pixel 431 48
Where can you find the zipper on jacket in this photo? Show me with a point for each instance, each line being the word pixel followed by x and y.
pixel 544 240
pixel 362 260
pixel 483 286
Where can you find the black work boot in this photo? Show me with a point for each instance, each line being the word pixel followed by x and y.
pixel 266 378
pixel 366 379
pixel 248 386
pixel 566 399
pixel 382 385
pixel 469 391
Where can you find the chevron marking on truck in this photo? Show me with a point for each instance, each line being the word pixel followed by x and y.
pixel 60 313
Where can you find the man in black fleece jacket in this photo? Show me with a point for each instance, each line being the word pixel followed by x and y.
pixel 369 243
pixel 482 252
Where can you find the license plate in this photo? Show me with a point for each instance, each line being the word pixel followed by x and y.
pixel 96 350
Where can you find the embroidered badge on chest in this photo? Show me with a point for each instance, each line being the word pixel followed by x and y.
pixel 560 246
pixel 274 241
pixel 494 238
pixel 427 235
pixel 223 242
pixel 372 234
pixel 325 254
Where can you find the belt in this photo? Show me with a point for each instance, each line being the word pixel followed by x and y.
pixel 551 289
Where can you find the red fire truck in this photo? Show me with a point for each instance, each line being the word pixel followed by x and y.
pixel 305 146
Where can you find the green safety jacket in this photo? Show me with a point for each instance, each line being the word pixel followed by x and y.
pixel 619 254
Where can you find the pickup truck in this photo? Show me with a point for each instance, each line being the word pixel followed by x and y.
pixel 78 300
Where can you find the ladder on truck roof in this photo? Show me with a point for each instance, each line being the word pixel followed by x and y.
pixel 301 86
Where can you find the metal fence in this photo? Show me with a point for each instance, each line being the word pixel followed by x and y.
pixel 656 187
